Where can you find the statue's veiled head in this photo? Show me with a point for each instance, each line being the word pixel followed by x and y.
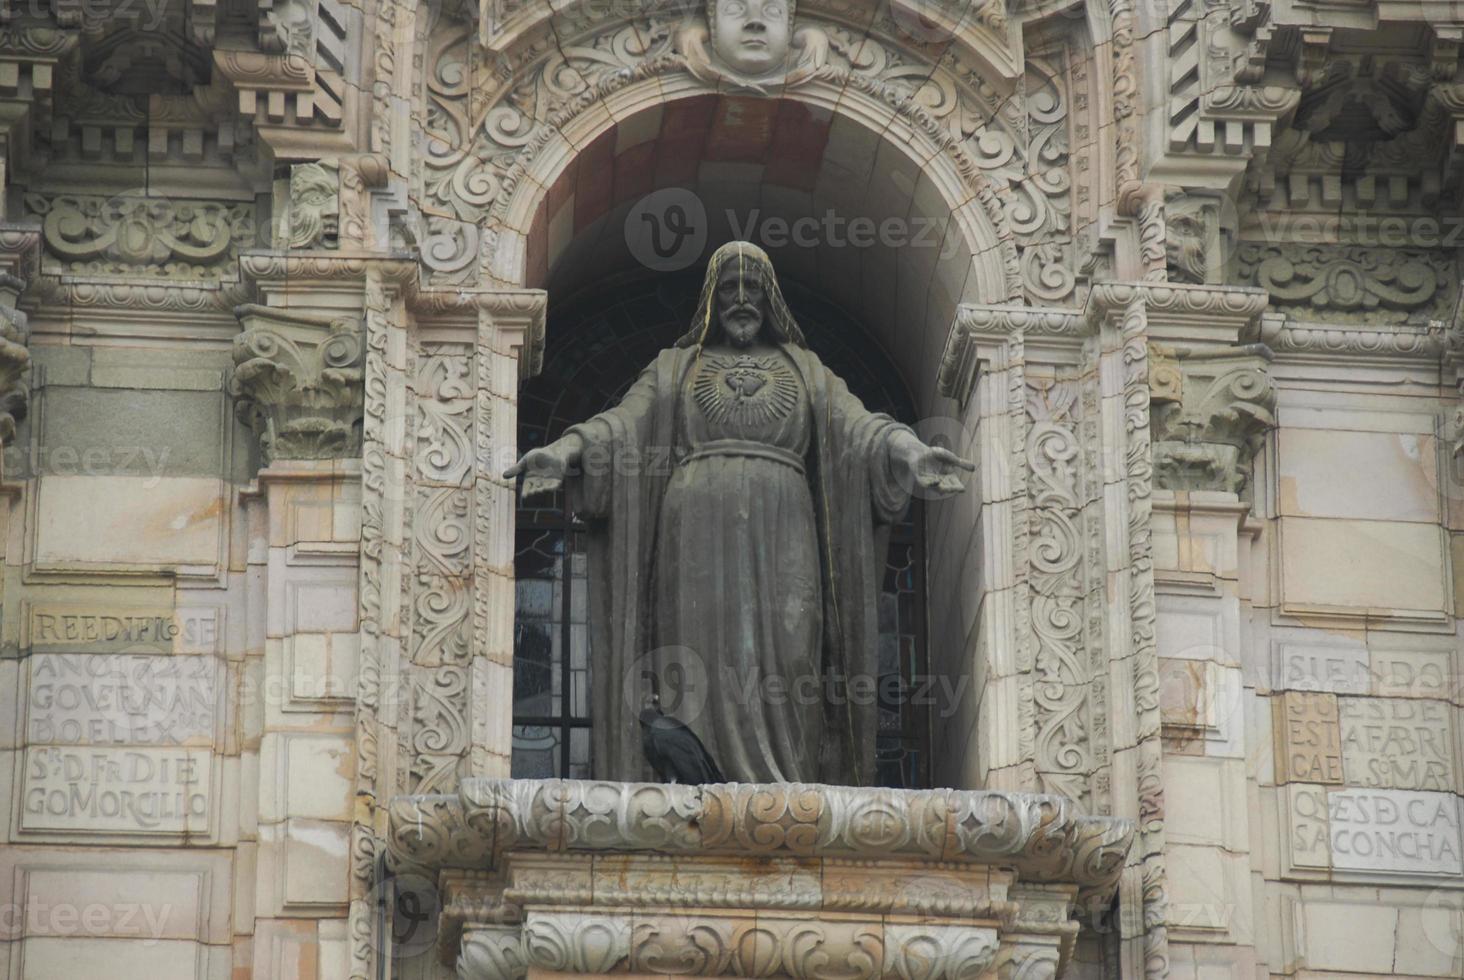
pixel 751 36
pixel 741 301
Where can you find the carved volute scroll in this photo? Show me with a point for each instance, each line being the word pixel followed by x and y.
pixel 1210 411
pixel 298 381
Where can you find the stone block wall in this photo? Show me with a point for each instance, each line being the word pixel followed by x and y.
pixel 1311 655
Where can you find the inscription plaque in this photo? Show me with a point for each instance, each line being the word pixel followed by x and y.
pixel 1395 830
pixel 1306 808
pixel 1308 740
pixel 109 789
pixel 125 629
pixel 1395 743
pixel 129 699
pixel 1341 669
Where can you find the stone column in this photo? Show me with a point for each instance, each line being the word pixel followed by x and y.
pixel 1068 689
pixel 1212 403
pixel 297 383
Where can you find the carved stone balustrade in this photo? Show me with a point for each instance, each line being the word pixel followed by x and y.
pixel 801 880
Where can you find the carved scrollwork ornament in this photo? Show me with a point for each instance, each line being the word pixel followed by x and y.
pixel 14 358
pixel 492 953
pixel 1209 425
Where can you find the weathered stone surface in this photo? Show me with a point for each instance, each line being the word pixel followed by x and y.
pixel 1308 738
pixel 1398 743
pixel 125 699
pixel 143 790
pixel 1395 830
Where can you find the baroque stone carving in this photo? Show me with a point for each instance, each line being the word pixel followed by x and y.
pixel 14 358
pixel 297 378
pixel 156 238
pixel 1043 837
pixel 1057 560
pixel 313 206
pixel 1344 284
pixel 482 148
pixel 751 44
pixel 652 878
pixel 1210 411
pixel 492 953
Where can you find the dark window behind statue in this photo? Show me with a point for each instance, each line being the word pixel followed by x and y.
pixel 597 344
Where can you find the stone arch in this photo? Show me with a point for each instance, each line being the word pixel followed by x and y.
pixel 994 154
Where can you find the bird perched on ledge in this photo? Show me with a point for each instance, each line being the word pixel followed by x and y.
pixel 672 749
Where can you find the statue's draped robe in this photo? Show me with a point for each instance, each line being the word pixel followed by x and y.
pixel 758 544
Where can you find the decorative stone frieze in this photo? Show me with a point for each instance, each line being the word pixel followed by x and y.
pixel 731 880
pixel 1210 411
pixel 141 236
pixel 1345 284
pixel 298 381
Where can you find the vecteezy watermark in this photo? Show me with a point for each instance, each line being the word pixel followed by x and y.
pixel 149 461
pixel 1363 230
pixel 834 230
pixel 147 15
pixel 409 905
pixel 129 920
pixel 685 682
pixel 666 231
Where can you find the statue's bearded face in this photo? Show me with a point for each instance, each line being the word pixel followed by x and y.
pixel 741 302
pixel 750 36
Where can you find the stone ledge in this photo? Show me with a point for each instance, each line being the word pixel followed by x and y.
pixel 564 876
pixel 1041 838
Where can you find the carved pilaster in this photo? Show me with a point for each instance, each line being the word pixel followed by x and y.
pixel 298 381
pixel 1210 411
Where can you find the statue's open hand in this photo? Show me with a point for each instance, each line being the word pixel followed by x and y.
pixel 543 469
pixel 932 471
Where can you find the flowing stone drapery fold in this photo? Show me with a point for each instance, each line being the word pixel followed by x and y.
pixel 798 879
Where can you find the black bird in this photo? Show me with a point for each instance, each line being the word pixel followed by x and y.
pixel 672 749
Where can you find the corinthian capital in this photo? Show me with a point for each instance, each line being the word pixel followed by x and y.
pixel 298 383
pixel 1210 410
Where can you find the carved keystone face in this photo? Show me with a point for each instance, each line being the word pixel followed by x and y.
pixel 750 36
pixel 740 304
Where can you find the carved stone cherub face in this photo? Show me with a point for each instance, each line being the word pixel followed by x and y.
pixel 751 36
pixel 741 302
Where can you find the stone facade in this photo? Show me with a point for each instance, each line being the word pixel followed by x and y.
pixel 1181 277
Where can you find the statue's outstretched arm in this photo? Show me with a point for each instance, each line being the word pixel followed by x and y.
pixel 546 468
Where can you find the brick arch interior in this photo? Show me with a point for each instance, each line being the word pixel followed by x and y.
pixel 849 209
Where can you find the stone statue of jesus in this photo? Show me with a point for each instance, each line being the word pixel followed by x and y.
pixel 739 498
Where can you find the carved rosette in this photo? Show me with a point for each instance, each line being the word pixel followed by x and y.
pixel 1210 411
pixel 298 383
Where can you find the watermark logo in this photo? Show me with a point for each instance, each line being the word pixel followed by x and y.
pixel 410 904
pixel 667 230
